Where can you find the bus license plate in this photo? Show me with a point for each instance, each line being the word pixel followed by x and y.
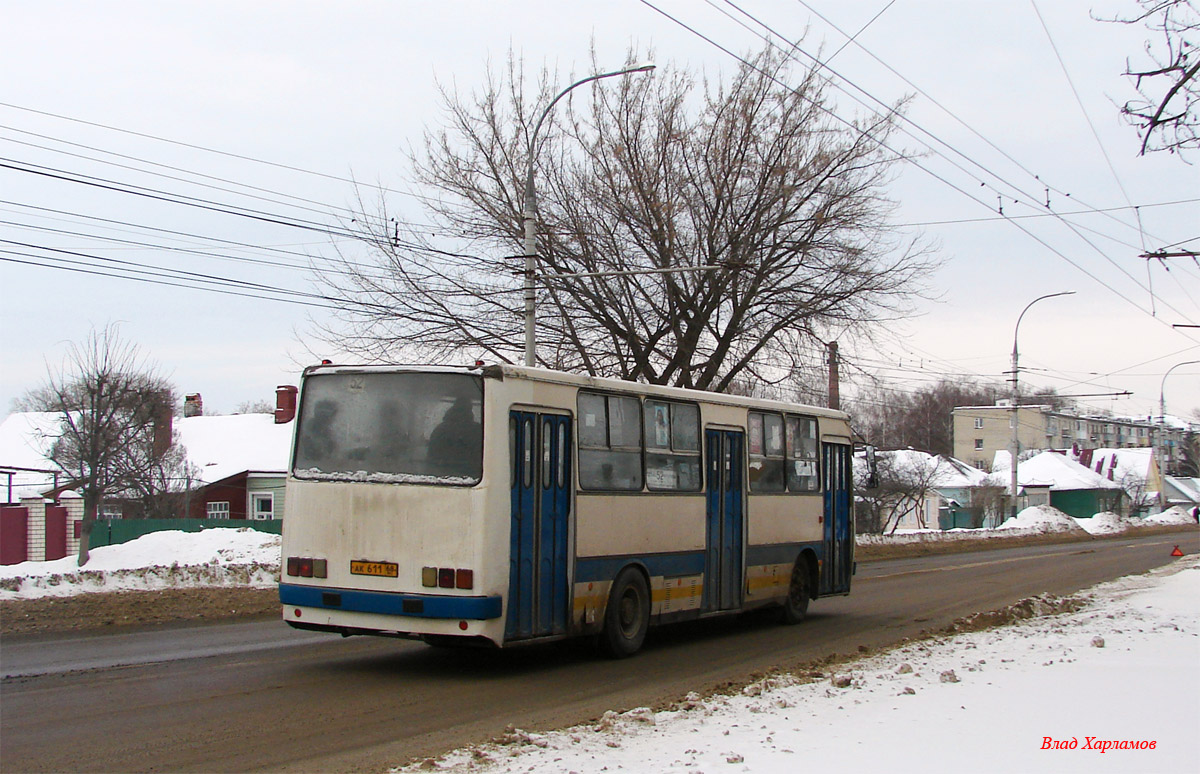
pixel 380 569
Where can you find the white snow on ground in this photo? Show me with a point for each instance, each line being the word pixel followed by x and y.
pixel 168 559
pixel 1114 686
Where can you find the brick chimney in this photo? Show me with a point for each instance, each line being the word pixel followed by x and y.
pixel 193 405
pixel 285 403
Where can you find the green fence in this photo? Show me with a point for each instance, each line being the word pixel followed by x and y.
pixel 111 532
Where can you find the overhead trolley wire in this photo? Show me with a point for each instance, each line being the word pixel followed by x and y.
pixel 915 163
pixel 822 65
pixel 212 206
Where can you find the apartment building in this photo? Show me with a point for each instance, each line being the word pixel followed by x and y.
pixel 981 431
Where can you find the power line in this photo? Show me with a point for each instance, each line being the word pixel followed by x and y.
pixel 941 179
pixel 212 206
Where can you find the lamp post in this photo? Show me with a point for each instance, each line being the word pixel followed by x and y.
pixel 529 208
pixel 1162 413
pixel 1015 446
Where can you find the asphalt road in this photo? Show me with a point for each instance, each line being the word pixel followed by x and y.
pixel 259 697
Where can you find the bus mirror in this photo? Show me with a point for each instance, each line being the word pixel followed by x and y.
pixel 872 469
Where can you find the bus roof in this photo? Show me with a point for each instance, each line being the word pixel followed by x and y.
pixel 505 371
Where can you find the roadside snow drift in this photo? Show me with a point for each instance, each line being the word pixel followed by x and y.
pixel 159 560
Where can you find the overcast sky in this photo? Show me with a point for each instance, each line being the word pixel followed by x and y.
pixel 344 89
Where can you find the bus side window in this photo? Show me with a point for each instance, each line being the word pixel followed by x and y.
pixel 610 442
pixel 802 454
pixel 766 452
pixel 672 432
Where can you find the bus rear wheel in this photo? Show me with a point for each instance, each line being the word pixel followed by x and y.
pixel 795 607
pixel 628 615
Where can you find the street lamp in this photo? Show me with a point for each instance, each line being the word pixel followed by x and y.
pixel 529 209
pixel 1162 412
pixel 1015 447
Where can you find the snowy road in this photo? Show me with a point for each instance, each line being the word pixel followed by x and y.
pixel 367 704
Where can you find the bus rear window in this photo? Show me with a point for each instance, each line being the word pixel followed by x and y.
pixel 416 428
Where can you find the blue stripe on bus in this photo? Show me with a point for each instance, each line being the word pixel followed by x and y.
pixel 780 553
pixel 389 603
pixel 605 568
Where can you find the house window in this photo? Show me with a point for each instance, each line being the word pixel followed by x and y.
pixel 111 511
pixel 978 444
pixel 262 506
pixel 978 423
pixel 217 510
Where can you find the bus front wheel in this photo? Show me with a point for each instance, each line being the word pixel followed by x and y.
pixel 628 614
pixel 795 607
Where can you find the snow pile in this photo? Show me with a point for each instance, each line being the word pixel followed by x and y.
pixel 1042 519
pixel 969 702
pixel 1107 523
pixel 159 560
pixel 1176 514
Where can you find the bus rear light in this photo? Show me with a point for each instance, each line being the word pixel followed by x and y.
pixel 447 578
pixel 305 567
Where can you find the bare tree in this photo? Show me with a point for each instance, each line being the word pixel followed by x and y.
pixel 924 418
pixel 921 419
pixel 904 482
pixel 1167 109
pixel 254 407
pixel 114 435
pixel 695 232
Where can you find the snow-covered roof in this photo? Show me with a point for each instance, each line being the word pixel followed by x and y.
pixel 1124 464
pixel 219 446
pixel 26 438
pixel 1051 469
pixel 1189 488
pixel 224 446
pixel 1169 421
pixel 940 471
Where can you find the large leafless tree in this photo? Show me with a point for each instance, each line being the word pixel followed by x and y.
pixel 770 211
pixel 114 436
pixel 1166 111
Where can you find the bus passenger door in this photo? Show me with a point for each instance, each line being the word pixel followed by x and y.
pixel 725 516
pixel 838 540
pixel 540 472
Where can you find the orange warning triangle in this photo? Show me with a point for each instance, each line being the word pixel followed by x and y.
pixel 1176 552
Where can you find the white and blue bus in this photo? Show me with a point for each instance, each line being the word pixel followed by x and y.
pixel 503 505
